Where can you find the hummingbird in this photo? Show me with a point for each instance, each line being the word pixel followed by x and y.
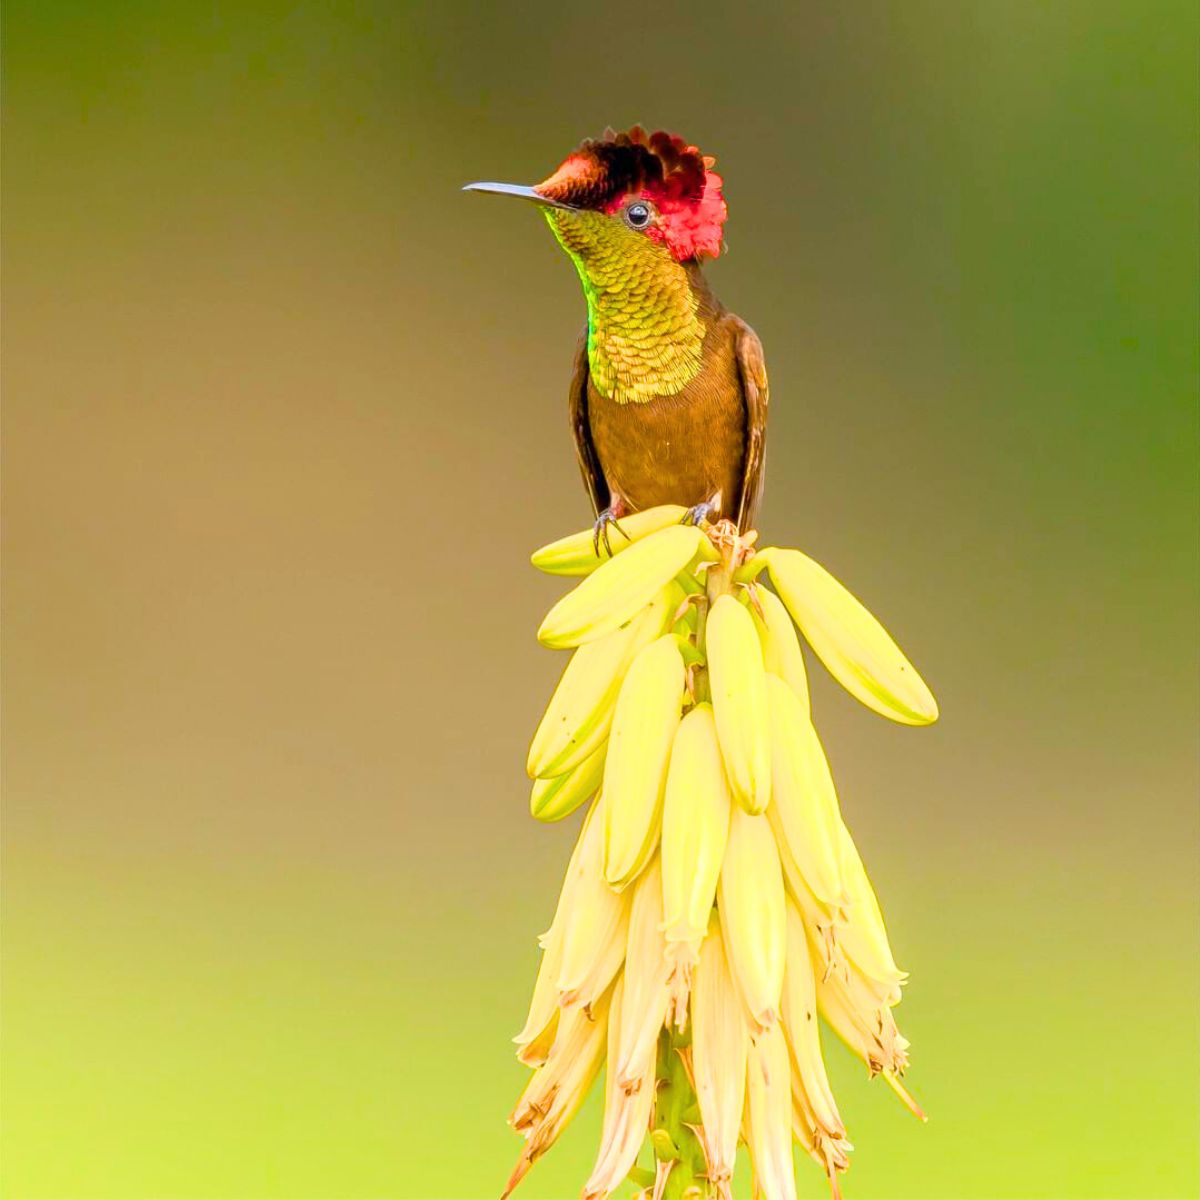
pixel 668 396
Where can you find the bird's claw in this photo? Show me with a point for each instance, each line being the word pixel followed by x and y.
pixel 698 512
pixel 600 531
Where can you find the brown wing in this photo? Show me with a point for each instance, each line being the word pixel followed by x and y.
pixel 585 450
pixel 755 394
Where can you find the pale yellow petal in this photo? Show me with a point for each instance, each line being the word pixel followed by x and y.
pixel 639 751
pixel 858 651
pixel 753 915
pixel 769 1115
pixel 720 1045
pixel 576 554
pixel 614 593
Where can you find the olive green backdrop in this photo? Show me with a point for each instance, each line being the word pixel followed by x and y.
pixel 285 415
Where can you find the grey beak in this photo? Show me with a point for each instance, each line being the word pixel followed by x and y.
pixel 514 189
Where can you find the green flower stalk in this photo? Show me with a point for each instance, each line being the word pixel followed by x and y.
pixel 715 903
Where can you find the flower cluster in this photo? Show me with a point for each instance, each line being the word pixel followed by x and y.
pixel 715 903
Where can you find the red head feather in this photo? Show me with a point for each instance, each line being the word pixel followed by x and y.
pixel 660 167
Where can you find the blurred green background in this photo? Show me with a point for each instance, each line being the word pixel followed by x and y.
pixel 285 413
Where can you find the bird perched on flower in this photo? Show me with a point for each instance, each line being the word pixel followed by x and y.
pixel 668 399
pixel 715 903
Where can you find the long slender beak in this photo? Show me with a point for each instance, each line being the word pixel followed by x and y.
pixel 514 189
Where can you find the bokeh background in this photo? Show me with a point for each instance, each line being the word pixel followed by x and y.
pixel 284 416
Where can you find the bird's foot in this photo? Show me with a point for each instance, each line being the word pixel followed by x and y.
pixel 699 512
pixel 600 528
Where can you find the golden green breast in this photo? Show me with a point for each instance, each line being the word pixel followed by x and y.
pixel 645 332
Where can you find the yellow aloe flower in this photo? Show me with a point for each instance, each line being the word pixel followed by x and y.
pixel 720 1047
pixel 647 968
pixel 580 553
pixel 695 829
pixel 738 682
pixel 560 795
pixel 815 1114
pixel 858 651
pixel 580 713
pixel 626 1112
pixel 558 1087
pixel 769 1115
pixel 618 590
pixel 782 655
pixel 715 910
pixel 594 925
pixel 750 901
pixel 639 752
pixel 804 810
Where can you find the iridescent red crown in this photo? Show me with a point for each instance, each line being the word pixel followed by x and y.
pixel 660 167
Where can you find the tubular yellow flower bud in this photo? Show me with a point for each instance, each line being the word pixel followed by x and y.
pixel 769 1115
pixel 543 1007
pixel 578 1033
pixel 858 1007
pixel 863 1020
pixel 799 1013
pixel 639 749
pixel 720 1045
pixel 576 554
pixel 782 655
pixel 695 829
pixel 863 936
pixel 804 812
pixel 557 1089
pixel 626 1114
pixel 537 1036
pixel 595 922
pixel 832 1153
pixel 753 915
pixel 559 796
pixel 616 591
pixel 644 1005
pixel 858 651
pixel 739 695
pixel 819 923
pixel 614 1034
pixel 580 712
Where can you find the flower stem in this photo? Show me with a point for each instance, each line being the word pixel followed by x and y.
pixel 677 1149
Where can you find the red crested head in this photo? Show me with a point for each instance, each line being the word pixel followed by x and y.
pixel 677 182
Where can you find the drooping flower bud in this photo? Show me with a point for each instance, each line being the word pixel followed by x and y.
pixel 695 829
pixel 639 750
pixel 594 924
pixel 753 918
pixel 626 1113
pixel 799 1012
pixel 782 656
pixel 858 651
pixel 557 1089
pixel 739 694
pixel 804 808
pixel 769 1114
pixel 720 1044
pixel 644 1004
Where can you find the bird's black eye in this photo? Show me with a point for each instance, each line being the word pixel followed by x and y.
pixel 638 215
